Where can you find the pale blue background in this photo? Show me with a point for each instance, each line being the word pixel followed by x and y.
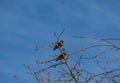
pixel 27 23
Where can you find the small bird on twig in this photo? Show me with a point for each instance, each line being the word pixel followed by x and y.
pixel 61 56
pixel 58 44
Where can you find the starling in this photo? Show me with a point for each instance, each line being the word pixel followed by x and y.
pixel 61 56
pixel 58 45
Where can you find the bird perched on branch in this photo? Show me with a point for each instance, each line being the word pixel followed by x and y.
pixel 61 56
pixel 58 44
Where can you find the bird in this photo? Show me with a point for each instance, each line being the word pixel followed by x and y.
pixel 61 56
pixel 58 44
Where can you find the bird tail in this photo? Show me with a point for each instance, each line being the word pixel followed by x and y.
pixel 54 48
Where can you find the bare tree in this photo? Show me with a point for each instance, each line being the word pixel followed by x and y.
pixel 69 66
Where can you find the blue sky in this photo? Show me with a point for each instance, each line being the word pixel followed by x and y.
pixel 27 23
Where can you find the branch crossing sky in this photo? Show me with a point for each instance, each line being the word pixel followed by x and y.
pixel 26 23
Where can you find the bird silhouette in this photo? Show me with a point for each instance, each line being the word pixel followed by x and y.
pixel 61 56
pixel 58 44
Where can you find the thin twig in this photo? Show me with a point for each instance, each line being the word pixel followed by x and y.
pixel 20 81
pixel 102 74
pixel 58 36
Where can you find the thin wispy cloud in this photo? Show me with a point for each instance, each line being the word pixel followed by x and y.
pixel 26 23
